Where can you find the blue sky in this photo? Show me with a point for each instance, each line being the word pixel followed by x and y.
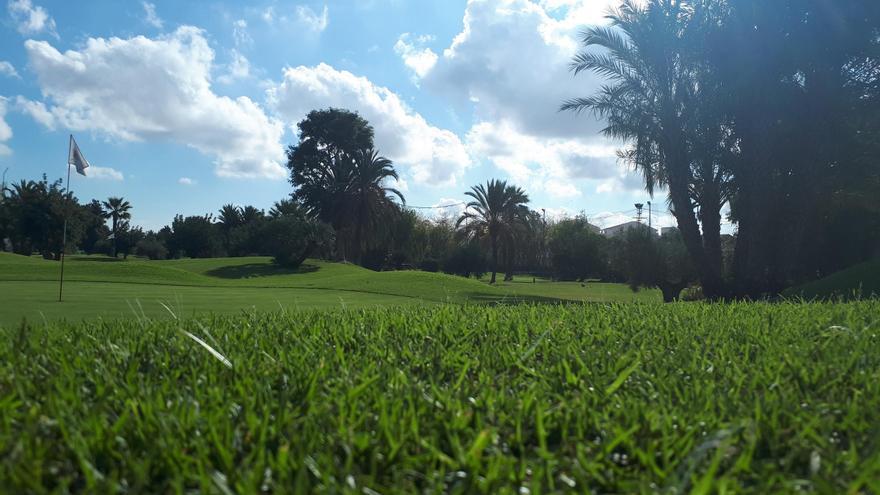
pixel 183 106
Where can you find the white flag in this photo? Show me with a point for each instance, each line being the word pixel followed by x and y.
pixel 76 158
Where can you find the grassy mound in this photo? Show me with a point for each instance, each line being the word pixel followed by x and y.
pixel 107 288
pixel 859 281
pixel 634 398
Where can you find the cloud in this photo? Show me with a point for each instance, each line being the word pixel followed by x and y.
pixel 104 173
pixel 5 130
pixel 240 34
pixel 8 69
pixel 142 89
pixel 151 18
pixel 484 66
pixel 430 154
pixel 238 68
pixel 541 163
pixel 31 19
pixel 414 54
pixel 37 111
pixel 268 15
pixel 186 181
pixel 313 21
pixel 509 66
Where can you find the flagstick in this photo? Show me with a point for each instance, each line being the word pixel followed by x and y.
pixel 64 239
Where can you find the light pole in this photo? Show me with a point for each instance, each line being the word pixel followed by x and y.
pixel 639 207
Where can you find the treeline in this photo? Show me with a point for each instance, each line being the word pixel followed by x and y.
pixel 770 107
pixel 498 232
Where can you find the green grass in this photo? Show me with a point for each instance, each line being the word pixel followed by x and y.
pixel 859 281
pixel 602 398
pixel 107 288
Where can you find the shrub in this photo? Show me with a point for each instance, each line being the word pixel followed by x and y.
pixel 151 248
pixel 466 260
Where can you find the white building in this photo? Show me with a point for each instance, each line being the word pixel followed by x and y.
pixel 617 230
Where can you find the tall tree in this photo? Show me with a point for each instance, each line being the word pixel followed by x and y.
pixel 321 165
pixel 650 55
pixel 367 196
pixel 339 177
pixel 116 209
pixel 490 213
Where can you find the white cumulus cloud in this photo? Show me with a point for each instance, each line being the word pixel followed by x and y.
pixel 157 88
pixel 186 181
pixel 36 110
pixel 311 19
pixel 430 154
pixel 150 16
pixel 510 65
pixel 238 68
pixel 240 34
pixel 106 173
pixel 31 19
pixel 415 55
pixel 7 69
pixel 5 130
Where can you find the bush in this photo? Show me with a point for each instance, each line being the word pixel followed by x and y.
pixel 575 250
pixel 289 240
pixel 429 265
pixel 151 248
pixel 374 259
pixel 466 260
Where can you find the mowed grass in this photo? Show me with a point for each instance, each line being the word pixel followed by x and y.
pixel 857 282
pixel 598 398
pixel 107 288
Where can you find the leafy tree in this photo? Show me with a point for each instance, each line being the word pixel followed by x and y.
pixel 664 263
pixel 37 211
pixel 95 228
pixel 465 259
pixel 117 210
pixel 151 247
pixel 656 101
pixel 322 166
pixel 195 237
pixel 575 249
pixel 292 237
pixel 496 206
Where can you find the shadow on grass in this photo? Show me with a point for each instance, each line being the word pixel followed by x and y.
pixel 101 259
pixel 252 270
pixel 483 298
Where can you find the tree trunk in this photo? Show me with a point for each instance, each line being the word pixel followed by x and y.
pixel 114 237
pixel 671 291
pixel 494 241
pixel 508 254
pixel 710 218
pixel 678 168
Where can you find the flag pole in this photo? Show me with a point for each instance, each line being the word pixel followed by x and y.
pixel 64 235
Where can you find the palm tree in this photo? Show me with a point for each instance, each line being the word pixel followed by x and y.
pixel 286 207
pixel 116 209
pixel 495 209
pixel 367 196
pixel 229 216
pixel 656 101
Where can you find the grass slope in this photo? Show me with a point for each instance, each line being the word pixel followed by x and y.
pixel 605 398
pixel 859 281
pixel 100 286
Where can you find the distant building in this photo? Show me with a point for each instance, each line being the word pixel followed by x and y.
pixel 618 230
